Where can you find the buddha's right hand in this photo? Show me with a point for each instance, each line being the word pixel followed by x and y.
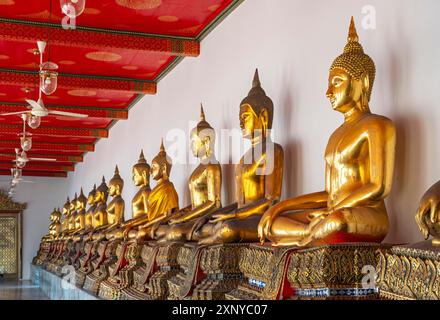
pixel 266 222
pixel 126 232
pixel 423 210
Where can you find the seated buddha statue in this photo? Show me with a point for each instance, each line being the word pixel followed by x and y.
pixel 54 226
pixel 204 185
pixel 139 203
pixel 258 175
pixel 359 167
pixel 80 213
pixel 116 207
pixel 428 214
pixel 88 215
pixel 72 218
pixel 110 216
pixel 100 213
pixel 163 201
pixel 66 218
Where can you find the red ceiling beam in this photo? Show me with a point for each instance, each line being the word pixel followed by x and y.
pixel 94 112
pixel 48 146
pixel 38 167
pixel 9 156
pixel 99 39
pixel 71 82
pixel 29 173
pixel 56 131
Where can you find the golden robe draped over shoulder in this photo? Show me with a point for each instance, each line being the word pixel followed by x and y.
pixel 163 198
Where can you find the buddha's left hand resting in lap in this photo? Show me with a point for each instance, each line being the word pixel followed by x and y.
pixel 359 167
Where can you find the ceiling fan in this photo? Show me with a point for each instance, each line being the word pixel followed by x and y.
pixel 22 158
pixel 48 84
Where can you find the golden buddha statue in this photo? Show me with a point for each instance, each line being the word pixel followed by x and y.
pixel 163 201
pixel 204 185
pixel 54 226
pixel 100 214
pixel 116 207
pixel 258 175
pixel 359 167
pixel 80 209
pixel 428 214
pixel 72 209
pixel 66 217
pixel 88 215
pixel 139 203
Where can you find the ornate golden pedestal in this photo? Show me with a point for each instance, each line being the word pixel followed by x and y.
pixel 220 263
pixel 107 257
pixel 189 272
pixel 264 271
pixel 410 272
pixel 57 258
pixel 42 254
pixel 150 283
pixel 324 272
pixel 90 254
pixel 339 271
pixel 120 273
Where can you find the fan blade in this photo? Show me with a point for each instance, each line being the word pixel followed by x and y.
pixel 49 66
pixel 33 104
pixel 68 114
pixel 13 113
pixel 42 159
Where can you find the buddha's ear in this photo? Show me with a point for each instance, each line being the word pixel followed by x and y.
pixel 365 78
pixel 264 116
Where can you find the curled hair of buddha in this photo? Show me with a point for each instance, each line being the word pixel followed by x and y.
pixel 142 164
pixel 103 188
pixel 116 179
pixel 203 128
pixel 93 192
pixel 354 61
pixel 258 99
pixel 81 198
pixel 162 159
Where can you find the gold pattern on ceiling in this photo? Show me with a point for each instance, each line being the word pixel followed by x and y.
pixel 139 4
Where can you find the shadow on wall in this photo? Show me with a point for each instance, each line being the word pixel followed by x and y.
pixel 402 202
pixel 292 176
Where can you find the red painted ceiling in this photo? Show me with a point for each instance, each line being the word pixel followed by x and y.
pixel 107 68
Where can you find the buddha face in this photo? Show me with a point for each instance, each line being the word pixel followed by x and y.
pixel 91 199
pixel 114 189
pixel 343 90
pixel 140 177
pixel 72 205
pixel 99 196
pixel 156 171
pixel 66 209
pixel 251 124
pixel 201 145
pixel 80 205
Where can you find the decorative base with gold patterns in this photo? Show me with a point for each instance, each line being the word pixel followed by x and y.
pixel 101 268
pixel 206 272
pixel 410 272
pixel 324 272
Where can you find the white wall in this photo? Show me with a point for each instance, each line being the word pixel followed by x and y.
pixel 41 197
pixel 293 43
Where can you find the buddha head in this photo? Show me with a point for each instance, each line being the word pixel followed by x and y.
pixel 101 192
pixel 141 172
pixel 81 201
pixel 73 203
pixel 256 112
pixel 161 165
pixel 56 215
pixel 116 184
pixel 351 76
pixel 52 215
pixel 202 138
pixel 66 207
pixel 91 196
